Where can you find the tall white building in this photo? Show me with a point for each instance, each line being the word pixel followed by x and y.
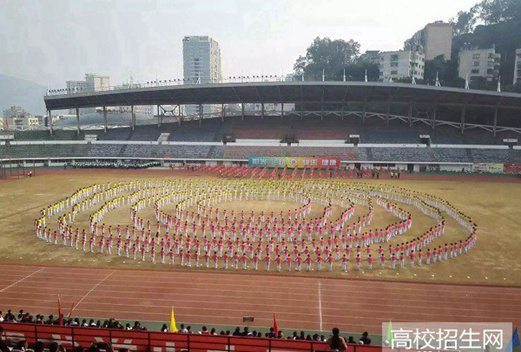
pixel 97 83
pixel 201 64
pixel 517 67
pixel 479 63
pixel 401 64
pixel 92 83
pixel 437 40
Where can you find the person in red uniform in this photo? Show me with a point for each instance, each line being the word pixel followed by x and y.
pixel 307 261
pixel 278 262
pixel 267 260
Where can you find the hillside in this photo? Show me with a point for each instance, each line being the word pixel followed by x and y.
pixel 27 94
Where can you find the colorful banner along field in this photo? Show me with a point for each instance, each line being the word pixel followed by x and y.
pixel 489 168
pixel 298 162
pixel 512 168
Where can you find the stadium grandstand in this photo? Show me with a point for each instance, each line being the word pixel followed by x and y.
pixel 411 127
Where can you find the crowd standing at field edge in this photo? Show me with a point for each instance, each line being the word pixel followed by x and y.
pixel 112 323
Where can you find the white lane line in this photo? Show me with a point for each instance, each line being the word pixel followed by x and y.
pixel 22 279
pixel 92 289
pixel 320 304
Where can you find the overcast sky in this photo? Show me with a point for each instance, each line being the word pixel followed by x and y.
pixel 51 41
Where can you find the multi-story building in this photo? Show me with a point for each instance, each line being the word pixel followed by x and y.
pixel 517 67
pixel 433 40
pixel 201 64
pixel 97 83
pixel 401 64
pixel 437 40
pixel 92 83
pixel 17 118
pixel 477 63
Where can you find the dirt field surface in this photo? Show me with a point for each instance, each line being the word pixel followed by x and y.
pixel 492 202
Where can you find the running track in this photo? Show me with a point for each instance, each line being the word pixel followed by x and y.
pixel 222 299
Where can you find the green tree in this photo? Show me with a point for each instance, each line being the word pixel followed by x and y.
pixel 497 11
pixel 447 72
pixel 332 56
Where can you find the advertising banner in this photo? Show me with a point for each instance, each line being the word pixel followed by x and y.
pixel 509 168
pixel 298 162
pixel 489 168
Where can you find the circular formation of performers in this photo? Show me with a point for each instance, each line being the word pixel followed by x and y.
pixel 331 227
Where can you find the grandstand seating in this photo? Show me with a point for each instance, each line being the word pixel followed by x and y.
pixel 373 130
pixel 383 153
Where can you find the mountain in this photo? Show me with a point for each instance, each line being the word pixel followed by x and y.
pixel 27 94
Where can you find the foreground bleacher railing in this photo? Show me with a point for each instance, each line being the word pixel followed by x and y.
pixel 153 341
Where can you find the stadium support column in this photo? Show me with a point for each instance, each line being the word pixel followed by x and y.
pixel 133 116
pixel 49 121
pixel 463 112
pixel 223 112
pixel 364 112
pixel 434 112
pixel 78 120
pixel 242 111
pixel 342 112
pixel 496 112
pixel 158 117
pixel 281 110
pixel 200 114
pixel 409 114
pixel 388 111
pixel 180 114
pixel 105 122
pixel 262 110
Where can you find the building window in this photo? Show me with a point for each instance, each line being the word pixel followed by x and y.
pixel 475 56
pixel 394 64
pixel 394 57
pixel 394 72
pixel 475 71
pixel 476 63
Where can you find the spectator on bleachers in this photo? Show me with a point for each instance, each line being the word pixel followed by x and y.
pixel 337 342
pixel 164 328
pixel 365 338
pixel 9 316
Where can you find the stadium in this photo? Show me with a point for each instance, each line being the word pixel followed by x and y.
pixel 260 176
pixel 208 213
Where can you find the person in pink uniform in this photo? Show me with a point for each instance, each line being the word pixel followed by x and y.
pixel 357 262
pixel 298 262
pixel 235 259
pixel 278 262
pixel 330 260
pixel 244 260
pixel 344 263
pixel 307 261
pixel 288 261
pixel 267 260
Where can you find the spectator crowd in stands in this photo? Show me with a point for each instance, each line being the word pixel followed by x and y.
pixel 112 323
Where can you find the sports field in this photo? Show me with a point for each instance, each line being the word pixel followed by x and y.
pixel 492 203
pixel 35 273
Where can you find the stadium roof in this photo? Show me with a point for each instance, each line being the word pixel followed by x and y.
pixel 285 92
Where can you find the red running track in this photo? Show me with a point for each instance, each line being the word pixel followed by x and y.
pixel 301 303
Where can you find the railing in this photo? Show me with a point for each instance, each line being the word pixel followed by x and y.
pixel 151 341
